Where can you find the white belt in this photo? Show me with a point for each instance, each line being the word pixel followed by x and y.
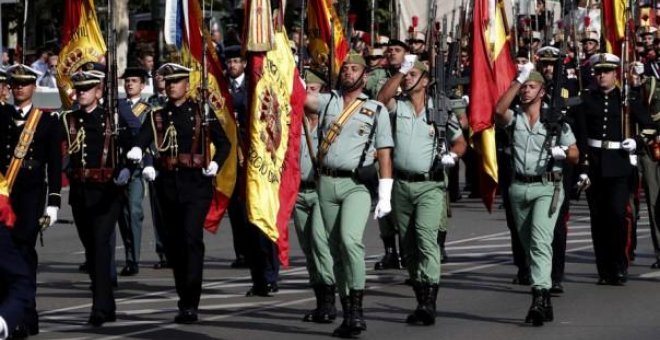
pixel 603 144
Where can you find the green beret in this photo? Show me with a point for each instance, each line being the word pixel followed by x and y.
pixel 313 78
pixel 354 58
pixel 421 66
pixel 537 77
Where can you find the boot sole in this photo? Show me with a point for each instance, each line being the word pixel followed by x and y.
pixel 535 318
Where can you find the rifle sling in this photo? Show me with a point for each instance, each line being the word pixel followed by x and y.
pixel 338 124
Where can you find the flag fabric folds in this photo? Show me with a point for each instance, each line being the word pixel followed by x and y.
pixel 82 42
pixel 276 100
pixel 614 25
pixel 492 72
pixel 186 26
pixel 323 23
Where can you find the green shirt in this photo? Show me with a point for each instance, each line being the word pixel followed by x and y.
pixel 416 145
pixel 306 166
pixel 529 156
pixel 345 152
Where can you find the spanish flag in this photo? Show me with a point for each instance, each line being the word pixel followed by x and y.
pixel 7 216
pixel 82 42
pixel 492 72
pixel 614 25
pixel 275 111
pixel 185 29
pixel 323 22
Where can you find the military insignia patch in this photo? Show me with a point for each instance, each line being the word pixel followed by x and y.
pixel 367 112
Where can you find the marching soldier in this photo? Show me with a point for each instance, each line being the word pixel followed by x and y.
pixel 134 111
pixel 184 183
pixel 32 161
pixel 536 190
pixel 307 219
pixel 396 51
pixel 419 193
pixel 649 155
pixel 237 211
pixel 353 128
pixel 94 198
pixel 156 101
pixel 606 162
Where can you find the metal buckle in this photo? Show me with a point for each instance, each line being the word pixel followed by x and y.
pixel 605 144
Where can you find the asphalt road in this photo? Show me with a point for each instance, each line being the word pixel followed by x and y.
pixel 476 299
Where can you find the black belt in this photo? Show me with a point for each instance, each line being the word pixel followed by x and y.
pixel 550 177
pixel 336 172
pixel 417 177
pixel 307 186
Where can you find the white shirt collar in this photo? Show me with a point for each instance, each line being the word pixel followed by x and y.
pixel 239 80
pixel 24 111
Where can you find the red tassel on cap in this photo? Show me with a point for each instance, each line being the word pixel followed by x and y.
pixel 587 21
pixel 415 21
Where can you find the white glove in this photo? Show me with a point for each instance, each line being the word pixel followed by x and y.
pixel 408 63
pixel 584 182
pixel 135 154
pixel 629 145
pixel 525 71
pixel 638 68
pixel 448 160
pixel 384 206
pixel 149 173
pixel 466 98
pixel 123 177
pixel 51 212
pixel 212 170
pixel 558 153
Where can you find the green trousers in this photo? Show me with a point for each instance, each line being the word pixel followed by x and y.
pixel 530 205
pixel 313 238
pixel 345 207
pixel 417 209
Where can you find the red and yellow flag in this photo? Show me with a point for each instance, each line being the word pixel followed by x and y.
pixel 7 216
pixel 614 25
pixel 492 72
pixel 275 111
pixel 194 40
pixel 323 22
pixel 82 42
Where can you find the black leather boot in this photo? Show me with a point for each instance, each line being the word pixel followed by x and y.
pixel 357 322
pixel 547 306
pixel 344 330
pixel 312 315
pixel 536 313
pixel 391 259
pixel 329 309
pixel 442 237
pixel 412 317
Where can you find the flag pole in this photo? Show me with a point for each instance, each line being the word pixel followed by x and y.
pixel 25 17
pixel 301 39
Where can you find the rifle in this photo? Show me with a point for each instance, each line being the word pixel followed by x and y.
pixel 111 85
pixel 553 119
pixel 438 115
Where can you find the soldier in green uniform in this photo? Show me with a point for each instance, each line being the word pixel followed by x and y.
pixel 396 50
pixel 536 191
pixel 419 194
pixel 353 129
pixel 312 235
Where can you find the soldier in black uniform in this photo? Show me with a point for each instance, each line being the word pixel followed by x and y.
pixel 38 165
pixel 185 182
pixel 237 211
pixel 95 190
pixel 606 160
